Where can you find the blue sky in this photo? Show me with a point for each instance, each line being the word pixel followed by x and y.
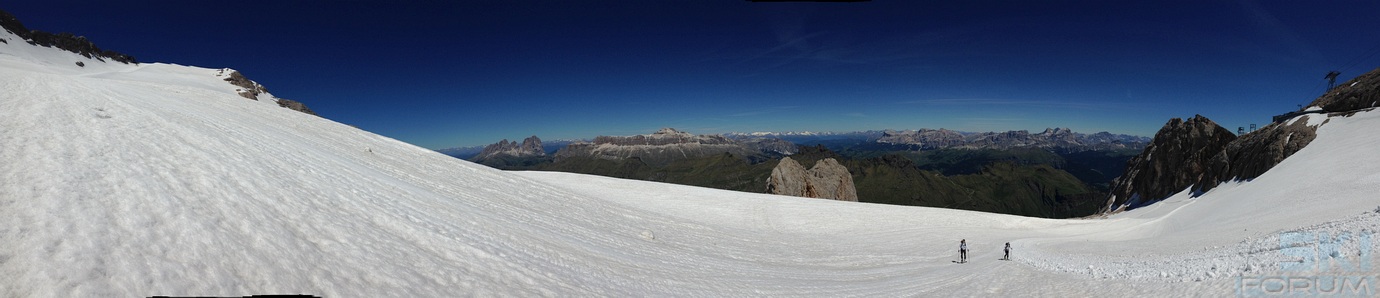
pixel 459 73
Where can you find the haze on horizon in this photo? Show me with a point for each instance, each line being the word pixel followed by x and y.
pixel 440 74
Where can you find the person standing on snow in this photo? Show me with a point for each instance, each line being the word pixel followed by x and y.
pixel 963 251
pixel 1008 252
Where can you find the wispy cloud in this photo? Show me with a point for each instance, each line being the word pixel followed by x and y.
pixel 763 111
pixel 856 115
pixel 1005 102
pixel 1293 44
pixel 795 45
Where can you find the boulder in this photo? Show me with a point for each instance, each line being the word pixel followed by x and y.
pixel 826 180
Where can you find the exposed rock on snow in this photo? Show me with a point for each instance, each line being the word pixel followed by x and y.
pixel 253 90
pixel 826 180
pixel 249 89
pixel 295 106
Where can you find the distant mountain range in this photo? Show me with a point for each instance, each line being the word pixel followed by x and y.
pixel 1061 139
pixel 1055 173
pixel 669 144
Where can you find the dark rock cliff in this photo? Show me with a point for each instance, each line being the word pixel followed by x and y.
pixel 1176 158
pixel 1254 153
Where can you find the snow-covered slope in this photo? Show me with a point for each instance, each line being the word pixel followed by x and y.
pixel 156 179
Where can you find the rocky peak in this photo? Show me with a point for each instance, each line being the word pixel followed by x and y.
pixel 1180 154
pixel 63 41
pixel 670 132
pixel 826 180
pixel 1057 131
pixel 531 146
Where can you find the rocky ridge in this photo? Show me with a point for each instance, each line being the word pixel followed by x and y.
pixel 1052 138
pixel 1199 160
pixel 826 180
pixel 64 41
pixel 1362 92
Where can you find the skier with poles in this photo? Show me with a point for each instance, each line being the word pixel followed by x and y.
pixel 1008 252
pixel 963 251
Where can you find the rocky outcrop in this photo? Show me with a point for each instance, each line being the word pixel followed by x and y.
pixel 63 41
pixel 826 180
pixel 530 146
pixel 1254 153
pixel 295 106
pixel 254 91
pixel 663 147
pixel 248 88
pixel 1179 156
pixel 1362 92
pixel 1061 139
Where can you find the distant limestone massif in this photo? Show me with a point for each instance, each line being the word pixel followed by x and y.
pixel 667 145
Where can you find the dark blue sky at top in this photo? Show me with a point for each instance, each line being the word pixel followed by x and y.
pixel 458 73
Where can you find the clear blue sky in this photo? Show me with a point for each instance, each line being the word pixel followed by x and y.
pixel 458 73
